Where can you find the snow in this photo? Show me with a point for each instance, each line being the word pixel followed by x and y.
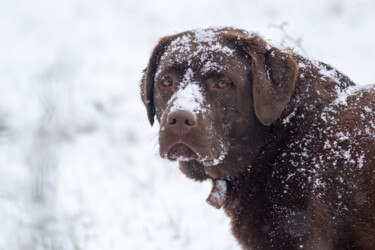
pixel 189 97
pixel 79 164
pixel 350 91
pixel 221 157
pixel 202 42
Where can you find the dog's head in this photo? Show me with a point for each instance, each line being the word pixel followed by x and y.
pixel 214 93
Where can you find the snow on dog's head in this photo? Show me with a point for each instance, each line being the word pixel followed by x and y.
pixel 201 44
pixel 189 97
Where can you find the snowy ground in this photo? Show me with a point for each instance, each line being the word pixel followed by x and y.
pixel 79 167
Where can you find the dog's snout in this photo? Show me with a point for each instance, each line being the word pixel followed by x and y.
pixel 181 122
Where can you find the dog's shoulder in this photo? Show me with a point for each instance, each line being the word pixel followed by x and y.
pixel 329 130
pixel 328 109
pixel 347 126
pixel 335 152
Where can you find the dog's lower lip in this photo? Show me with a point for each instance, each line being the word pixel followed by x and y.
pixel 181 152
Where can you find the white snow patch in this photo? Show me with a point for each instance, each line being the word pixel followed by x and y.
pixel 342 137
pixel 352 90
pixel 301 65
pixel 360 161
pixel 368 110
pixel 222 156
pixel 189 98
pixel 201 42
pixel 289 117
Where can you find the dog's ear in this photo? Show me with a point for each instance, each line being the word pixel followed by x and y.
pixel 274 74
pixel 147 82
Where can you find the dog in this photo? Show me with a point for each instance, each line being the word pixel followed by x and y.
pixel 288 142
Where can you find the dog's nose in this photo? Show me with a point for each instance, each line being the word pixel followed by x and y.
pixel 181 122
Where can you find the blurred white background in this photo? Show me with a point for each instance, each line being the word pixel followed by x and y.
pixel 79 164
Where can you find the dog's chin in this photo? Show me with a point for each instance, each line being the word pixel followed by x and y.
pixel 181 152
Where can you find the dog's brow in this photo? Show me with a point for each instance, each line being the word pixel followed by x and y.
pixel 175 68
pixel 214 75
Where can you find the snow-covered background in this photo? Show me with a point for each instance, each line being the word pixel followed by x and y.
pixel 79 165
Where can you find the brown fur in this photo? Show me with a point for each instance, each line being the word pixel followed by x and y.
pixel 298 162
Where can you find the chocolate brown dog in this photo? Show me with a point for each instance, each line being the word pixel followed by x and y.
pixel 288 142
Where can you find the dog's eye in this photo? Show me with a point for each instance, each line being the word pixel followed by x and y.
pixel 166 82
pixel 222 84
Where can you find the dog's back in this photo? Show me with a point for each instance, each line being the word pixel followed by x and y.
pixel 342 203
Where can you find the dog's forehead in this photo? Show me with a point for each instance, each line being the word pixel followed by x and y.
pixel 204 50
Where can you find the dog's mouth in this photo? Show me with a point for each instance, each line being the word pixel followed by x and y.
pixel 181 152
